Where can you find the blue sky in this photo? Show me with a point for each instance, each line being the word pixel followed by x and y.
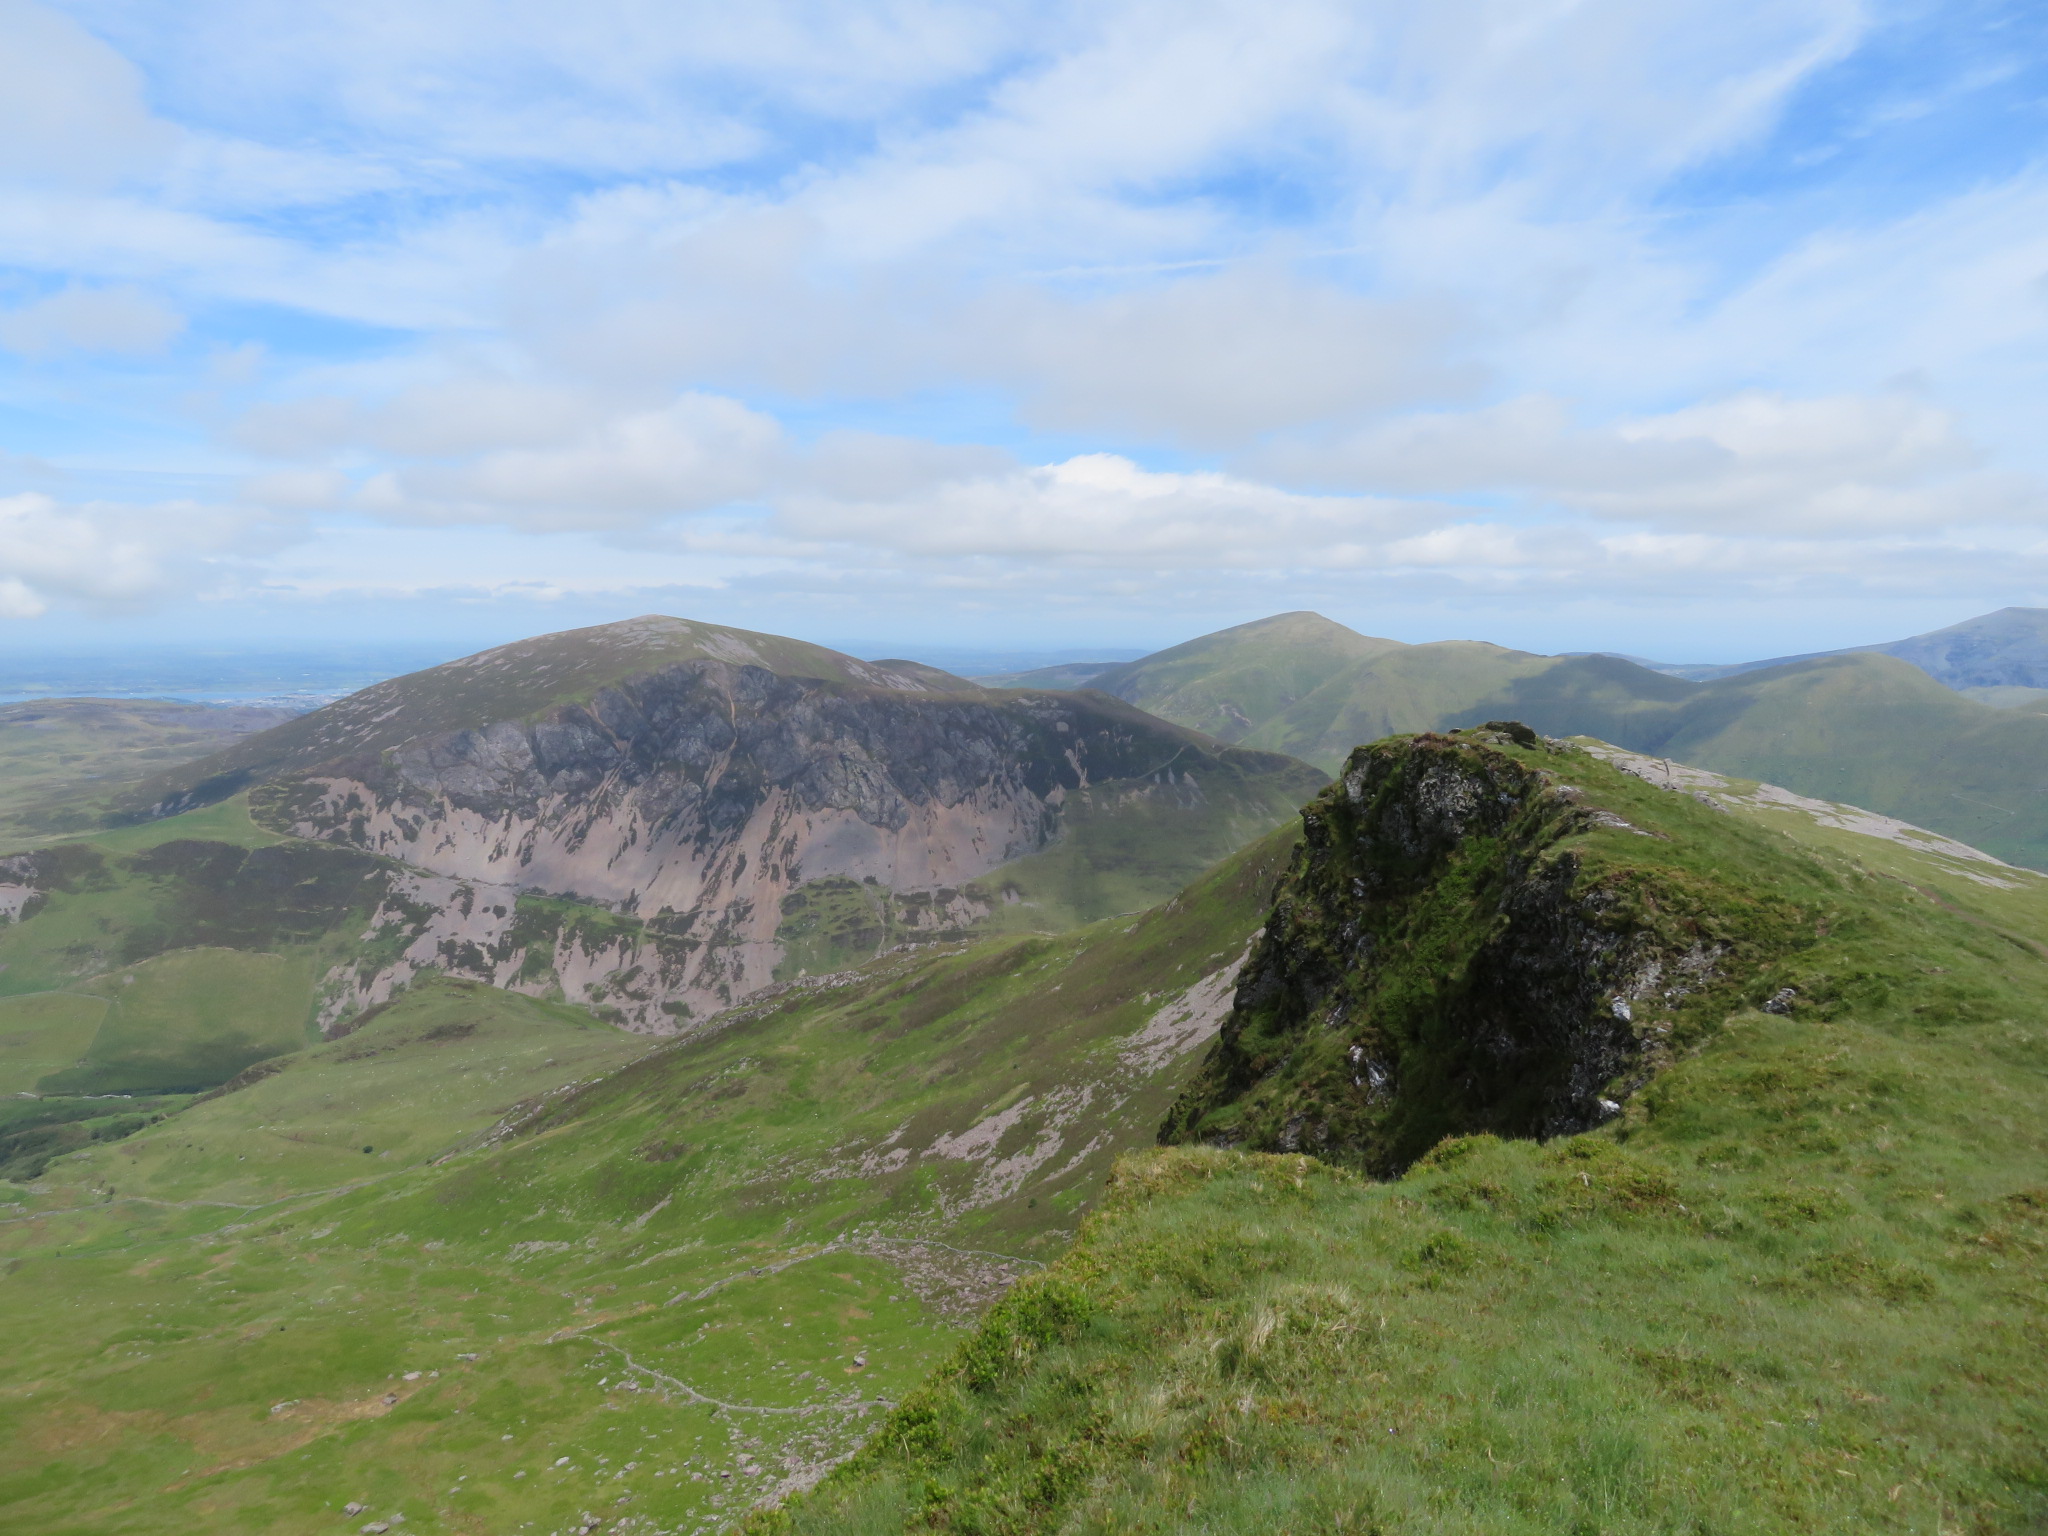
pixel 1697 330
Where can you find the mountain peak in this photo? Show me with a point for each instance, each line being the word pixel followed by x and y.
pixel 609 653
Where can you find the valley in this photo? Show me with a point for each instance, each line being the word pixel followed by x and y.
pixel 663 1076
pixel 719 1262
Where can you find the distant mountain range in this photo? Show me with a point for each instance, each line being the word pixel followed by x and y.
pixel 326 1180
pixel 1865 726
pixel 2001 658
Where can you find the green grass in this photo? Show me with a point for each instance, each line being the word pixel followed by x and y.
pixel 1233 681
pixel 1798 1285
pixel 1128 846
pixel 45 1032
pixel 62 760
pixel 225 822
pixel 1812 1247
pixel 442 1062
pixel 757 1216
pixel 183 1021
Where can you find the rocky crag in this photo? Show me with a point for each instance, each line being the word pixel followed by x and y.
pixel 1467 942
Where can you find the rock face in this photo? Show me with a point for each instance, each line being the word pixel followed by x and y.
pixel 662 792
pixel 690 781
pixel 1441 959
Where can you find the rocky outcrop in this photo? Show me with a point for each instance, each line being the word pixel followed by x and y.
pixel 1442 959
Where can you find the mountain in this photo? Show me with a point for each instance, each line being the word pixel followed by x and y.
pixel 1712 1194
pixel 1985 656
pixel 1859 727
pixel 482 1263
pixel 1232 682
pixel 653 819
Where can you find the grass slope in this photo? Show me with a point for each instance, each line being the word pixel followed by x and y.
pixel 653 1295
pixel 1071 674
pixel 1798 1285
pixel 183 1021
pixel 1866 729
pixel 1995 652
pixel 1231 682
pixel 61 760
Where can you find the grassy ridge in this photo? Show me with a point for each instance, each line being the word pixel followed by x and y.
pixel 1798 1285
pixel 1230 682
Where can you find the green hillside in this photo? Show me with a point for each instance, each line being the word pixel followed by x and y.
pixel 581 1282
pixel 1861 727
pixel 1867 729
pixel 1071 674
pixel 2000 652
pixel 462 1267
pixel 1792 1281
pixel 1232 682
pixel 63 760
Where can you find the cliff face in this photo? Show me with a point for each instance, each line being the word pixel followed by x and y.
pixel 697 798
pixel 655 791
pixel 1466 942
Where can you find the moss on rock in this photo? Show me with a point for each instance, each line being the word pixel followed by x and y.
pixel 1464 943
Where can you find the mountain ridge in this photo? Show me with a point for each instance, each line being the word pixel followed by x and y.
pixel 1778 1267
pixel 2007 648
pixel 1860 726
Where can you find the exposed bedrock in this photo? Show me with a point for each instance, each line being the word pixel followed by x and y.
pixel 700 795
pixel 655 792
pixel 1464 943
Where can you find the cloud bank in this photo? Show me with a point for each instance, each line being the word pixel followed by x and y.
pixel 1027 307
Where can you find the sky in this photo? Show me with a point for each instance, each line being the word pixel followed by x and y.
pixel 1702 330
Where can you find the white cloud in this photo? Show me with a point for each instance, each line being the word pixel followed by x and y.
pixel 107 556
pixel 455 413
pixel 89 320
pixel 699 452
pixel 1844 464
pixel 1099 508
pixel 71 108
pixel 1213 360
pixel 907 286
